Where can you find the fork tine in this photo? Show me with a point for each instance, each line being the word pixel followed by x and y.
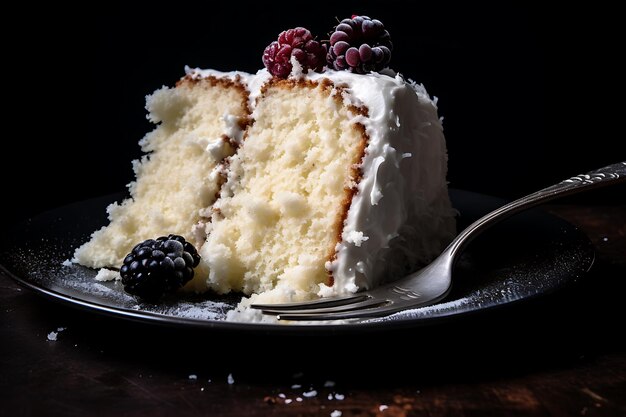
pixel 324 310
pixel 381 308
pixel 375 311
pixel 322 302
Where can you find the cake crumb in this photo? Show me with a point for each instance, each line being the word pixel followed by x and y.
pixel 52 336
pixel 269 400
pixel 336 413
pixel 329 384
pixel 310 394
pixel 107 275
pixel 230 379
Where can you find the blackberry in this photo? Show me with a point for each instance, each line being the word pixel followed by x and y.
pixel 157 267
pixel 360 45
pixel 296 42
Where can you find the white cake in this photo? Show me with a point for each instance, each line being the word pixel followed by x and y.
pixel 314 185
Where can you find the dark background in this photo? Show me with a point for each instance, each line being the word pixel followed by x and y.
pixel 527 99
pixel 87 78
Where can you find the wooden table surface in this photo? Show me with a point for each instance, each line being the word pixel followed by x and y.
pixel 560 355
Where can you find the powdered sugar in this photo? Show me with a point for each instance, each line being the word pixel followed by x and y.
pixel 47 269
pixel 204 310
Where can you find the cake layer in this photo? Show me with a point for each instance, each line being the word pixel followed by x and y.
pixel 281 212
pixel 199 124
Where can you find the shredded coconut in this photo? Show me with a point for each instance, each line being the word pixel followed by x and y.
pixel 356 237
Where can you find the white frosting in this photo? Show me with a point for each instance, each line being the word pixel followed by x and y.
pixel 401 214
pixel 401 210
pixel 233 128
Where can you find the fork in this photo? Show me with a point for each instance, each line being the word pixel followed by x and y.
pixel 433 282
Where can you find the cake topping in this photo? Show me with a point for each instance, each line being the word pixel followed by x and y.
pixel 158 267
pixel 298 43
pixel 360 45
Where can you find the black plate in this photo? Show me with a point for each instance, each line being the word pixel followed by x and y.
pixel 530 254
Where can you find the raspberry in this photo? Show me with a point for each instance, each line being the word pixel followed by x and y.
pixel 296 42
pixel 360 45
pixel 158 267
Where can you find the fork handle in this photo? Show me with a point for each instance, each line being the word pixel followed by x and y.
pixel 611 174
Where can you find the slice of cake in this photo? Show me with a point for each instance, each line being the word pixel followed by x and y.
pixel 200 122
pixel 340 184
pixel 329 171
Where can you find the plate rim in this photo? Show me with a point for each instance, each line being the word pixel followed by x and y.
pixel 156 319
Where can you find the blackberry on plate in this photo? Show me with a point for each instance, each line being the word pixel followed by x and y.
pixel 157 267
pixel 296 42
pixel 360 45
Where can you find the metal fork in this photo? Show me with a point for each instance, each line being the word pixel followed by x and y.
pixel 432 283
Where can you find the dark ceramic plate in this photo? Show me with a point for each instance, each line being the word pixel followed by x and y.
pixel 527 255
